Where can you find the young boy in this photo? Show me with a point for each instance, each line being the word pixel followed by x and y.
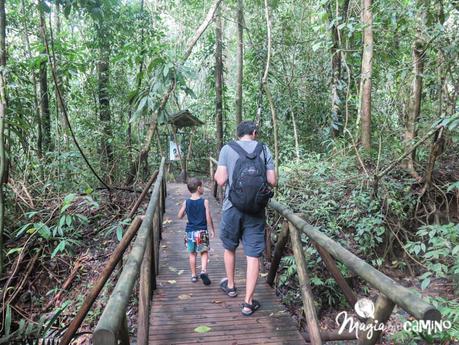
pixel 197 236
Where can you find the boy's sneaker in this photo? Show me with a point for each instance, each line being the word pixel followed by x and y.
pixel 205 278
pixel 194 279
pixel 231 292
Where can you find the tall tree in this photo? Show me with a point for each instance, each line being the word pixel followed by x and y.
pixel 103 70
pixel 219 80
pixel 240 59
pixel 43 81
pixel 365 83
pixel 2 124
pixel 414 107
pixel 268 91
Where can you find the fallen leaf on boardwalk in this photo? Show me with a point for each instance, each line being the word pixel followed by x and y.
pixel 180 272
pixel 202 329
pixel 277 313
pixel 167 221
pixel 182 297
pixel 263 274
pixel 172 281
pixel 164 246
pixel 173 269
pixel 217 301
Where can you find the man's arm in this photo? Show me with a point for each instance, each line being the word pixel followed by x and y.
pixel 181 212
pixel 271 177
pixel 221 175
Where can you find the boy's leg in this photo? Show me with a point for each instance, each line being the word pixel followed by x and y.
pixel 204 260
pixel 193 263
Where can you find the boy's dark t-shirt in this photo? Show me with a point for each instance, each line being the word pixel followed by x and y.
pixel 196 214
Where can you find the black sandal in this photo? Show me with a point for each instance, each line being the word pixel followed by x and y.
pixel 231 292
pixel 205 278
pixel 252 307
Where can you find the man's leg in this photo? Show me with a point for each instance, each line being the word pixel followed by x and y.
pixel 253 267
pixel 230 262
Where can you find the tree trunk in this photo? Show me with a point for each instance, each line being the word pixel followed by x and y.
pixel 240 59
pixel 414 107
pixel 336 116
pixel 268 92
pixel 219 80
pixel 103 69
pixel 365 86
pixel 152 127
pixel 44 96
pixel 2 123
pixel 33 79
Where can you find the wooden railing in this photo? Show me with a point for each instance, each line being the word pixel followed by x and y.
pixel 391 293
pixel 143 260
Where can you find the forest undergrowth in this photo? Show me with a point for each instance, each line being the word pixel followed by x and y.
pixel 55 256
pixel 407 233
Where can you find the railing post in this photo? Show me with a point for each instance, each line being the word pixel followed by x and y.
pixel 278 252
pixel 308 300
pixel 144 293
pixel 331 266
pixel 156 239
pixel 383 310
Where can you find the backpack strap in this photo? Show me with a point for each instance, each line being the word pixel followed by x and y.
pixel 236 147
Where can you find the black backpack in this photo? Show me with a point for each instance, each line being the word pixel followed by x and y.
pixel 249 191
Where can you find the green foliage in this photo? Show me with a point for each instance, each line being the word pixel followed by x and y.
pixel 437 248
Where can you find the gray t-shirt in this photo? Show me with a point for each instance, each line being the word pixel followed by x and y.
pixel 228 158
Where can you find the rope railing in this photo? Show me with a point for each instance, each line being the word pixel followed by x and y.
pixel 143 261
pixel 391 293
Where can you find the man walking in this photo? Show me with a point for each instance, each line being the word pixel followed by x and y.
pixel 247 167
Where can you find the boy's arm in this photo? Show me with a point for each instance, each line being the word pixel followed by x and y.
pixel 209 218
pixel 181 212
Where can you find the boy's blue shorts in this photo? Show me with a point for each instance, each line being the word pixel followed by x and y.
pixel 237 226
pixel 197 241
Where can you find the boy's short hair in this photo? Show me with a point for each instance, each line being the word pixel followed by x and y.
pixel 246 127
pixel 193 184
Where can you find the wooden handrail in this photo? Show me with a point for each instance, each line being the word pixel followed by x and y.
pixel 400 295
pixel 112 324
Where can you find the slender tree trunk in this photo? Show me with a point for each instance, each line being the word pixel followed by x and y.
pixel 153 122
pixel 268 91
pixel 2 123
pixel 60 106
pixel 44 96
pixel 414 107
pixel 33 79
pixel 240 59
pixel 336 116
pixel 103 68
pixel 365 86
pixel 219 80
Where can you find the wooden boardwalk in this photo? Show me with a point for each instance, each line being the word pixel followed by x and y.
pixel 179 306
